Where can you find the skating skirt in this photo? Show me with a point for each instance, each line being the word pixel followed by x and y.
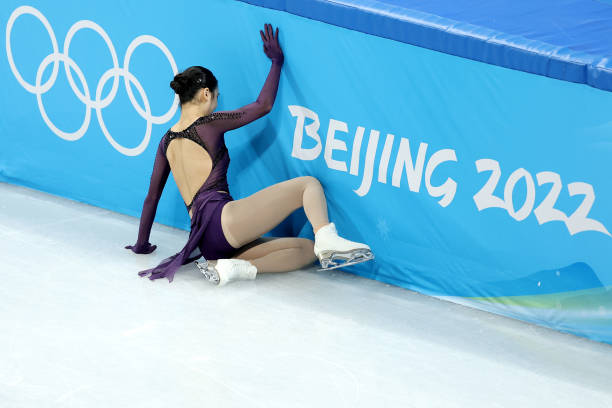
pixel 213 244
pixel 206 234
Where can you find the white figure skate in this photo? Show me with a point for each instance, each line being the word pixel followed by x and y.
pixel 329 248
pixel 227 270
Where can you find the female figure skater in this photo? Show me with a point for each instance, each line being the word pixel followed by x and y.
pixel 228 232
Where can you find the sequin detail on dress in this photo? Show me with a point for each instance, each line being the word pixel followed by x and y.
pixel 190 133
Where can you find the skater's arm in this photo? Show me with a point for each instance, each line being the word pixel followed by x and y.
pixel 228 120
pixel 159 176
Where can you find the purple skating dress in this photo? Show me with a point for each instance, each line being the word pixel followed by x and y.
pixel 207 131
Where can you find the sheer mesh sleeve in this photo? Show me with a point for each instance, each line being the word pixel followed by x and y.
pixel 228 120
pixel 159 176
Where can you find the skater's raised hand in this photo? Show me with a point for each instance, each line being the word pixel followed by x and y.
pixel 142 249
pixel 270 44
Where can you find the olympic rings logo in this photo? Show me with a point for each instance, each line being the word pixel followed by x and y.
pixel 98 103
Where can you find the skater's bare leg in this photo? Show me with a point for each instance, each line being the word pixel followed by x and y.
pixel 249 218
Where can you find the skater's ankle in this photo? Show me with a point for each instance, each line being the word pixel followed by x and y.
pixel 320 226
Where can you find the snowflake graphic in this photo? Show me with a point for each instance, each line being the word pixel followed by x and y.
pixel 383 228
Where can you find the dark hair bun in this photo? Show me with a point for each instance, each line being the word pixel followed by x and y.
pixel 179 84
pixel 187 83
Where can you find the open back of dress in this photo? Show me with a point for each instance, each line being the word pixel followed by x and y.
pixel 198 158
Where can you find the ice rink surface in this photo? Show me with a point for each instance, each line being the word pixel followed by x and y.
pixel 80 328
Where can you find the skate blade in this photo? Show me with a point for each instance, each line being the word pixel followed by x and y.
pixel 210 274
pixel 349 258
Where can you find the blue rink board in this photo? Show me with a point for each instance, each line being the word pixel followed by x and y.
pixel 564 39
pixel 472 182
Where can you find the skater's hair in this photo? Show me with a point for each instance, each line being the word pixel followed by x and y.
pixel 187 83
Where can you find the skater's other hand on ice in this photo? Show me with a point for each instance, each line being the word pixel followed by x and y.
pixel 142 249
pixel 270 44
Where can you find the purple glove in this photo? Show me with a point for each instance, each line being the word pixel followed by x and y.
pixel 142 249
pixel 270 44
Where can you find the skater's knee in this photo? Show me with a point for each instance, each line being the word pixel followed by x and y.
pixel 310 180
